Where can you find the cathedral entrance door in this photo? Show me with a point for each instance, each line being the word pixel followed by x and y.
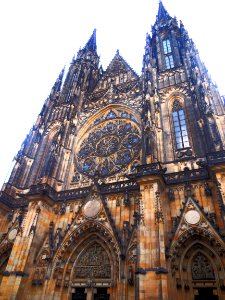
pixel 101 294
pixel 79 294
pixel 206 294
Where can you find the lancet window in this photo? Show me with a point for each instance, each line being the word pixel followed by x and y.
pixel 180 128
pixel 168 54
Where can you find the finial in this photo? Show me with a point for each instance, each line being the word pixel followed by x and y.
pixel 117 52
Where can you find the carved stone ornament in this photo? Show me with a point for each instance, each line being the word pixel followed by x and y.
pixel 92 208
pixel 201 268
pixel 192 217
pixel 12 234
pixel 93 263
pixel 109 144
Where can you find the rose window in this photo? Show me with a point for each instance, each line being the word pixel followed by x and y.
pixel 111 144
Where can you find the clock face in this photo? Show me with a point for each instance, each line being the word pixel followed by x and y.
pixel 109 145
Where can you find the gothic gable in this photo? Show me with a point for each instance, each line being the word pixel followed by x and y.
pixel 119 74
pixel 193 222
pixel 119 66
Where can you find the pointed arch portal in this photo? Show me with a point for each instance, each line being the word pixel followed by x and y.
pixel 87 264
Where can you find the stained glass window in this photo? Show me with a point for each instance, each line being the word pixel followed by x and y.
pixel 168 54
pixel 180 128
pixel 166 46
pixel 109 145
pixel 169 61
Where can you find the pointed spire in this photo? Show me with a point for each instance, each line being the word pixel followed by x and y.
pixel 162 13
pixel 91 44
pixel 183 31
pixel 57 86
pixel 59 80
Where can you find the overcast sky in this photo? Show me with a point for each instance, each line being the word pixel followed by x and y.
pixel 39 37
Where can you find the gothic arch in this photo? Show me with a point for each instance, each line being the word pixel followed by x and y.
pixel 103 111
pixel 211 277
pixel 101 263
pixel 181 261
pixel 46 148
pixel 175 100
pixel 176 96
pixel 201 266
pixel 84 238
pixel 52 129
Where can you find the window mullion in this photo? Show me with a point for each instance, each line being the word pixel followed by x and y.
pixel 181 134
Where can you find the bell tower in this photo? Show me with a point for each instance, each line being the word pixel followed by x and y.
pixel 184 103
pixel 45 148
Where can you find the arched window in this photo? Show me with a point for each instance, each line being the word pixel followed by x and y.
pixel 168 54
pixel 179 125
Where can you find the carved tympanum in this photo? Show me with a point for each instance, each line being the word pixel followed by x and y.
pixel 93 263
pixel 201 268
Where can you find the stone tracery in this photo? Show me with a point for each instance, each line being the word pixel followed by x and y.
pixel 201 268
pixel 111 144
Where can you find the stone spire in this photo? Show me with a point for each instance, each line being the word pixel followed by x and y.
pixel 57 86
pixel 91 44
pixel 162 15
pixel 90 47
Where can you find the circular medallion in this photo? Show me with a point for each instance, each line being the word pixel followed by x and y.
pixel 91 208
pixel 108 145
pixel 192 217
pixel 12 234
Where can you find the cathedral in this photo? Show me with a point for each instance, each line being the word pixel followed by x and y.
pixel 118 190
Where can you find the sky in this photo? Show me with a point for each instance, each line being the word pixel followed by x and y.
pixel 39 37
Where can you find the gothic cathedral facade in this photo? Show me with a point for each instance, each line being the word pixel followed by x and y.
pixel 118 189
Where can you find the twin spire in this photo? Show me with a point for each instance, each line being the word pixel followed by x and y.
pixel 91 45
pixel 162 15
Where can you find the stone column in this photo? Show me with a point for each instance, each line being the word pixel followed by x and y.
pixel 90 293
pixel 151 268
pixel 19 254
